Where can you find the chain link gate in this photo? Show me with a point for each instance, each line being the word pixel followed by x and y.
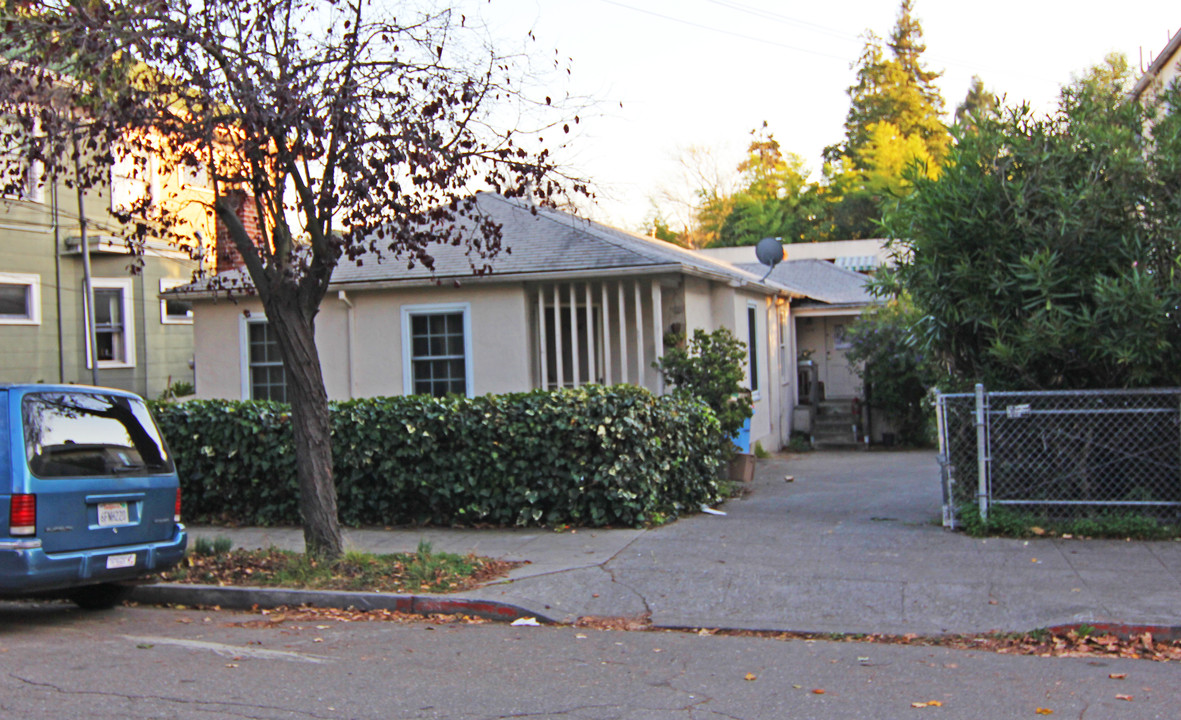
pixel 1063 453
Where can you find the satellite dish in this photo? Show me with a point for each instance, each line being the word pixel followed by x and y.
pixel 770 252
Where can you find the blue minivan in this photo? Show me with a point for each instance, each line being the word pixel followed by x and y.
pixel 89 497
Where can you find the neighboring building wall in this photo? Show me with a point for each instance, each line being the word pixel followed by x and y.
pixel 874 249
pixel 53 347
pixel 1163 70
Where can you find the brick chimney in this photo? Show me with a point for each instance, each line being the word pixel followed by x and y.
pixel 228 256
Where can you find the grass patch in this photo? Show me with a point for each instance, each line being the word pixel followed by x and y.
pixel 421 571
pixel 1007 522
pixel 800 442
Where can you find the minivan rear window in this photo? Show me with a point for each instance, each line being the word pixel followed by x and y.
pixel 80 434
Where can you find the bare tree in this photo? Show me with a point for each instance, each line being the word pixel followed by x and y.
pixel 698 199
pixel 372 130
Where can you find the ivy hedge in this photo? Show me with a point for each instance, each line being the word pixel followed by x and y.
pixel 590 456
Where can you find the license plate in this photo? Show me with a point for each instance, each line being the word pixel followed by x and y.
pixel 120 561
pixel 112 514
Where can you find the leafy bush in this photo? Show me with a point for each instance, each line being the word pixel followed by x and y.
pixel 1046 255
pixel 896 371
pixel 712 368
pixel 591 456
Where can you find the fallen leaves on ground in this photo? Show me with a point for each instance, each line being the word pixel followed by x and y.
pixel 280 615
pixel 1042 643
pixel 631 623
pixel 928 703
pixel 369 573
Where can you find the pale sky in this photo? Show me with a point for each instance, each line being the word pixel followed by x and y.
pixel 706 72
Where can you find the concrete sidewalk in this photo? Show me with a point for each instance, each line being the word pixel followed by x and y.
pixel 853 545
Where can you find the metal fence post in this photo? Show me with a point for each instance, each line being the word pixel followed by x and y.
pixel 981 454
pixel 944 461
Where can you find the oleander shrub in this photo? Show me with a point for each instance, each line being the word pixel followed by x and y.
pixel 590 456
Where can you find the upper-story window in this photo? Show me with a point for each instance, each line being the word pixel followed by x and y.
pixel 20 178
pixel 133 179
pixel 20 299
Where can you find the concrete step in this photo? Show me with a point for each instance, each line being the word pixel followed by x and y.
pixel 833 425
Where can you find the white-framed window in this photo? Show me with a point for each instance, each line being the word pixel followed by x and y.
pixel 175 311
pixel 133 179
pixel 752 348
pixel 20 299
pixel 33 181
pixel 15 166
pixel 263 375
pixel 437 349
pixel 193 176
pixel 114 324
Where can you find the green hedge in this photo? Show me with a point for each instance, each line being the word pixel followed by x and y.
pixel 592 456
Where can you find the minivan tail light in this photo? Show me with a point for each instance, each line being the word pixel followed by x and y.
pixel 22 514
pixel 176 512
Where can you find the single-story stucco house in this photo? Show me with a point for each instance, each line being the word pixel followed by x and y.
pixel 574 302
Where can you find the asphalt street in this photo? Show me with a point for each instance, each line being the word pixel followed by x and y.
pixel 137 662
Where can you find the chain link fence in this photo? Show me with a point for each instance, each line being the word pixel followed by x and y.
pixel 1063 454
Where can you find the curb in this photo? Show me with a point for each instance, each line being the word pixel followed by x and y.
pixel 247 598
pixel 1124 631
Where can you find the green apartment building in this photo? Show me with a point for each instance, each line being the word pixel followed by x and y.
pixel 141 343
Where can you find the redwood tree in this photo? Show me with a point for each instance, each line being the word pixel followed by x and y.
pixel 353 132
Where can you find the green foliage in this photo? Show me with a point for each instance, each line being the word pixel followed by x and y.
pixel 591 456
pixel 760 451
pixel 712 368
pixel 894 89
pixel 219 545
pixel 893 125
pixel 775 199
pixel 897 372
pixel 978 101
pixel 1101 523
pixel 424 569
pixel 1046 256
pixel 178 389
pixel 799 442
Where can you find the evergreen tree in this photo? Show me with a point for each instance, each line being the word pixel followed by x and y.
pixel 774 199
pixel 895 89
pixel 978 101
pixel 894 121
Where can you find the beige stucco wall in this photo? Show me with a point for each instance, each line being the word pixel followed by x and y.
pixel 371 363
pixel 361 347
pixel 711 305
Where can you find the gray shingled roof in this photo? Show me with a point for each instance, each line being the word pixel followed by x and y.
pixel 548 242
pixel 818 280
pixel 552 243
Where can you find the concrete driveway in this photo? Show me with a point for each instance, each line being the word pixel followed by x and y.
pixel 852 545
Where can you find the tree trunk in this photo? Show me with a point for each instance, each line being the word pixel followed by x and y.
pixel 312 426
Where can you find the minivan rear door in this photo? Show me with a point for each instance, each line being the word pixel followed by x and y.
pixel 99 468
